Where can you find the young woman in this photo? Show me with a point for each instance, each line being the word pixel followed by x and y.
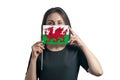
pixel 61 62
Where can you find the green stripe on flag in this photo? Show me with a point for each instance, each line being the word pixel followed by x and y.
pixel 52 41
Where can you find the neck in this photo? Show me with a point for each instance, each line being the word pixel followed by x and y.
pixel 55 47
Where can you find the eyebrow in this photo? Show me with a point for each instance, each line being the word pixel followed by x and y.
pixel 49 20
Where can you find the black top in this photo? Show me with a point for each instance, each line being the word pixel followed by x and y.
pixel 61 65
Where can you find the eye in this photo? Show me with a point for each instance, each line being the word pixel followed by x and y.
pixel 50 23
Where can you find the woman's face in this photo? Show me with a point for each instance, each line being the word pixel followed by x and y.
pixel 55 19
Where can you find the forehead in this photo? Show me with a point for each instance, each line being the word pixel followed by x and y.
pixel 54 16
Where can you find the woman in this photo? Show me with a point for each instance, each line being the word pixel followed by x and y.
pixel 61 62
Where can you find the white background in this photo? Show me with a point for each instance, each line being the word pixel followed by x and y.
pixel 97 23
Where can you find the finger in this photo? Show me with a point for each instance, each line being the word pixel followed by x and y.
pixel 42 44
pixel 71 31
pixel 36 43
pixel 39 46
pixel 71 40
pixel 39 50
pixel 42 47
pixel 39 42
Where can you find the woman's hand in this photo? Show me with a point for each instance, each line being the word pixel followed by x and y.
pixel 37 49
pixel 74 38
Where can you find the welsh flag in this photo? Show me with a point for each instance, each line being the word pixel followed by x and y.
pixel 58 34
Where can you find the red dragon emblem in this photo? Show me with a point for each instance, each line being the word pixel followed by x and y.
pixel 58 33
